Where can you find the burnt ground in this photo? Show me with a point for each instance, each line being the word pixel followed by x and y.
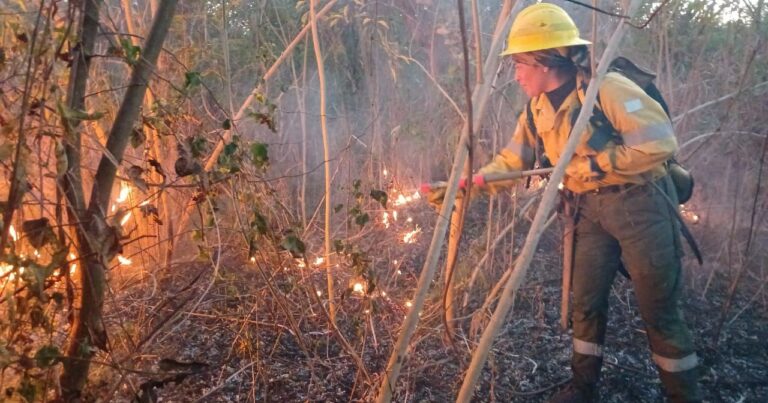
pixel 238 345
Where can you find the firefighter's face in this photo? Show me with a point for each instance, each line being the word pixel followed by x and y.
pixel 533 78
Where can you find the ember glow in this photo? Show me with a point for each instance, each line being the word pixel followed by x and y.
pixel 689 215
pixel 410 237
pixel 385 219
pixel 125 218
pixel 358 288
pixel 125 191
pixel 73 266
pixel 5 268
pixel 13 233
pixel 318 261
pixel 403 199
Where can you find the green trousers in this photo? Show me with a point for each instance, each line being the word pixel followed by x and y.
pixel 634 227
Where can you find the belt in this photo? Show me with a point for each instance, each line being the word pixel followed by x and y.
pixel 613 188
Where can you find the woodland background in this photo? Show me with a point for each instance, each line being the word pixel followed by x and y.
pixel 195 209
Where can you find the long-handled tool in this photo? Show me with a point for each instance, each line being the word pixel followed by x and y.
pixel 483 179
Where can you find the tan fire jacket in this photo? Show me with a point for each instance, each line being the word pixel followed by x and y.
pixel 648 138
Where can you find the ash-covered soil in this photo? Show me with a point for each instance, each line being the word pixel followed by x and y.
pixel 259 335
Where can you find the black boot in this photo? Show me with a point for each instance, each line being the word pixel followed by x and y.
pixel 573 393
pixel 681 387
pixel 583 387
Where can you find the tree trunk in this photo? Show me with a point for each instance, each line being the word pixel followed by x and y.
pixel 326 157
pixel 75 371
pixel 87 328
pixel 457 218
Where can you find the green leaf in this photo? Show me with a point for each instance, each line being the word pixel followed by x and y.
pixel 252 247
pixel 47 356
pixel 192 79
pixel 264 119
pixel 380 196
pixel 197 145
pixel 229 161
pixel 226 124
pixel 39 232
pixel 338 245
pixel 260 155
pixel 338 208
pixel 293 244
pixel 137 137
pixel 259 223
pixel 37 317
pixel 77 115
pixel 62 163
pixel 131 52
pixel 202 254
pixel 362 219
pixel 230 149
pixel 28 389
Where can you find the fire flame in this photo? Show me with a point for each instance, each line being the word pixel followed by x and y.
pixel 358 288
pixel 125 191
pixel 410 237
pixel 689 215
pixel 73 266
pixel 5 268
pixel 402 199
pixel 13 233
pixel 125 218
pixel 124 261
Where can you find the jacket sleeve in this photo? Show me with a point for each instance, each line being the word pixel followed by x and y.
pixel 517 155
pixel 646 131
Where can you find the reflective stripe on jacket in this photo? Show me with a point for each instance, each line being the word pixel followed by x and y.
pixel 648 138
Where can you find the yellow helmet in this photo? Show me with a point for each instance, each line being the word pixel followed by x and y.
pixel 542 26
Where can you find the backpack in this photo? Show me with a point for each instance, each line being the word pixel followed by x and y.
pixel 605 132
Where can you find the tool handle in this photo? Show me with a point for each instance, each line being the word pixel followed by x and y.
pixel 484 179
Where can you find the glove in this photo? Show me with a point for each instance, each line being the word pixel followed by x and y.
pixel 584 169
pixel 435 196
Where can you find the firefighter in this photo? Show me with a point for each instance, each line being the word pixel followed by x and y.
pixel 624 222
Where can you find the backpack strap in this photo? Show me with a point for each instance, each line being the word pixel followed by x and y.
pixel 603 129
pixel 541 159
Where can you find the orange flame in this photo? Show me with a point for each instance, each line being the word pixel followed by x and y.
pixel 410 237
